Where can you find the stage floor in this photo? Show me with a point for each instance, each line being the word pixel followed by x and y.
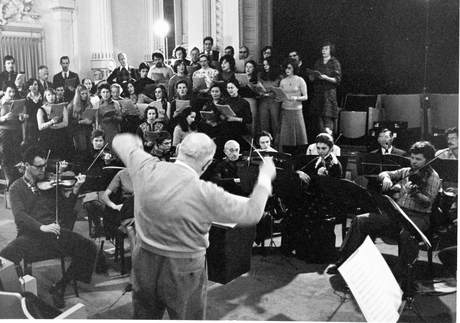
pixel 276 288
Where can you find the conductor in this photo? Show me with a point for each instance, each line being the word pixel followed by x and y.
pixel 174 209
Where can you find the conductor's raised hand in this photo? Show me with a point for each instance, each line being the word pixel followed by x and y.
pixel 268 169
pixel 51 228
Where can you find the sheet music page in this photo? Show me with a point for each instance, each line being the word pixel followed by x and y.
pixel 372 283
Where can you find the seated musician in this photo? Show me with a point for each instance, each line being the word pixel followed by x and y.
pixel 416 196
pixel 452 144
pixel 123 217
pixel 385 140
pixel 97 179
pixel 311 149
pixel 327 163
pixel 314 208
pixel 265 141
pixel 225 172
pixel 162 146
pixel 38 232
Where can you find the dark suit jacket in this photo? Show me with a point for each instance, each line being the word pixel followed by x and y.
pixel 42 89
pixel 395 151
pixel 7 77
pixel 58 80
pixel 122 76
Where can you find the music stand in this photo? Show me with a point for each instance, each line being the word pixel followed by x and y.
pixel 373 164
pixel 389 204
pixel 347 194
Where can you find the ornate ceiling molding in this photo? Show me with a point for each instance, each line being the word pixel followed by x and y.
pixel 17 11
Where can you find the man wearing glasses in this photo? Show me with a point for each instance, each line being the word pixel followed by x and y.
pixel 39 236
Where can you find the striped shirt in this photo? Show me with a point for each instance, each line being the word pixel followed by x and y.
pixel 409 201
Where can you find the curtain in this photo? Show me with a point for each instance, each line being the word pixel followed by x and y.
pixel 27 49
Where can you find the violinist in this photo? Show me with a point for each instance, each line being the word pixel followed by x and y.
pixel 34 212
pixel 327 163
pixel 162 146
pixel 418 187
pixel 225 172
pixel 265 142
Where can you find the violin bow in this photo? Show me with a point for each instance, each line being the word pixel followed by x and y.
pixel 98 155
pixel 424 166
pixel 57 194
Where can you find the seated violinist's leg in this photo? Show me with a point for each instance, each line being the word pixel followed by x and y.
pixel 372 224
pixel 83 253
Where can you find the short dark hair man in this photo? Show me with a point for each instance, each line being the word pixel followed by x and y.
pixel 66 78
pixel 38 232
pixel 8 75
pixel 385 139
pixel 213 55
pixel 415 196
pixel 452 144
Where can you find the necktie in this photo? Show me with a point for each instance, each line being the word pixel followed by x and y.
pixel 387 152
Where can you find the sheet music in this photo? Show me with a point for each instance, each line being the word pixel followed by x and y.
pixel 372 284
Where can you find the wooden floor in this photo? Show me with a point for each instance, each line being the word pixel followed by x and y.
pixel 276 288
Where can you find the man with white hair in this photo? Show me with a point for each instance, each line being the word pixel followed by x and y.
pixel 225 174
pixel 174 210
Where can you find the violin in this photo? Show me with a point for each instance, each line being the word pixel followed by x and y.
pixel 66 180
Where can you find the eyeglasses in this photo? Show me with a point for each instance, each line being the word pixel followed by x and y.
pixel 43 166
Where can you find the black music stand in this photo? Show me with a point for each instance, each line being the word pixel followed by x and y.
pixel 387 203
pixel 347 194
pixel 373 164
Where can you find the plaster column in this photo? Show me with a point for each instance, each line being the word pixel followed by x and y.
pixel 158 14
pixel 61 41
pixel 101 38
pixel 148 23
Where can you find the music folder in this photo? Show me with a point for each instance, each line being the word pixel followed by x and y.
pixel 57 110
pixel 199 83
pixel 18 106
pixel 279 93
pixel 208 115
pixel 70 83
pixel 181 105
pixel 226 110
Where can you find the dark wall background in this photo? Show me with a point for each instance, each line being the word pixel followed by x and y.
pixel 380 43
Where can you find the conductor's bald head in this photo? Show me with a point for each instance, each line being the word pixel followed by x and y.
pixel 197 150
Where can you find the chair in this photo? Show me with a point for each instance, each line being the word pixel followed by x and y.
pixel 27 269
pixel 17 306
pixel 439 220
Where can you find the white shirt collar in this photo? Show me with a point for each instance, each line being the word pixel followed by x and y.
pixel 180 163
pixel 389 150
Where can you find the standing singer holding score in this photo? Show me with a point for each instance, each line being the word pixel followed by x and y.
pixel 169 265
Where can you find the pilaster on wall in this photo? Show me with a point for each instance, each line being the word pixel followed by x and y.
pixel 102 56
pixel 62 40
pixel 256 24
